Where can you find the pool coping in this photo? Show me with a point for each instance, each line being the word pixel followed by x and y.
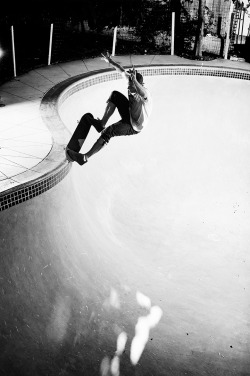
pixel 55 166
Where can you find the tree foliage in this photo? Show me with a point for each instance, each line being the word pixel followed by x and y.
pixel 154 19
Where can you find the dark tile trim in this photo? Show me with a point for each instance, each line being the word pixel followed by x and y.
pixel 32 189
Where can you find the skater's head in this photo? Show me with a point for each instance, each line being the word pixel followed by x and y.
pixel 139 78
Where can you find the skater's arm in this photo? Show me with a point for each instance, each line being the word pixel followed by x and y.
pixel 139 88
pixel 116 65
pixel 130 75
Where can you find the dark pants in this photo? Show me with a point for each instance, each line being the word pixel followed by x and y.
pixel 123 127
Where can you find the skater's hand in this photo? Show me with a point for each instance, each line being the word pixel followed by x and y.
pixel 116 65
pixel 132 74
pixel 132 71
pixel 106 58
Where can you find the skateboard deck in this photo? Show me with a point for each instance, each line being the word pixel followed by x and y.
pixel 80 134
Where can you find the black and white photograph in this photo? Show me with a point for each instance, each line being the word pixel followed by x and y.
pixel 125 188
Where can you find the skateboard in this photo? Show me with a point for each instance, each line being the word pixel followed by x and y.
pixel 80 134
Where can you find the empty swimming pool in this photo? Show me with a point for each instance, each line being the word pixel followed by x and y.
pixel 144 253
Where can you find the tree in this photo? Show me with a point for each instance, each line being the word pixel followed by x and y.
pixel 152 22
pixel 200 29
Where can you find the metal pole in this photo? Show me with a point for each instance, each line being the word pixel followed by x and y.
pixel 243 19
pixel 114 41
pixel 13 50
pixel 172 33
pixel 239 20
pixel 228 30
pixel 50 43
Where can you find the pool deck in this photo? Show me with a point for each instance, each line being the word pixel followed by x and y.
pixel 25 140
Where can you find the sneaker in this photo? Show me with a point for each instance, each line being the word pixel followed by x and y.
pixel 77 157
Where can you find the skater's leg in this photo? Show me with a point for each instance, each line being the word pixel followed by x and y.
pixel 117 129
pixel 83 158
pixel 122 105
pixel 116 100
pixel 98 145
pixel 109 110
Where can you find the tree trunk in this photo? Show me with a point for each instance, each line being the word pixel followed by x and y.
pixel 200 29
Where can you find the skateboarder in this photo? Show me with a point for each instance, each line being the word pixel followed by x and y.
pixel 134 112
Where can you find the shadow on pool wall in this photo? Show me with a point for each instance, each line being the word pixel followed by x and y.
pixel 92 270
